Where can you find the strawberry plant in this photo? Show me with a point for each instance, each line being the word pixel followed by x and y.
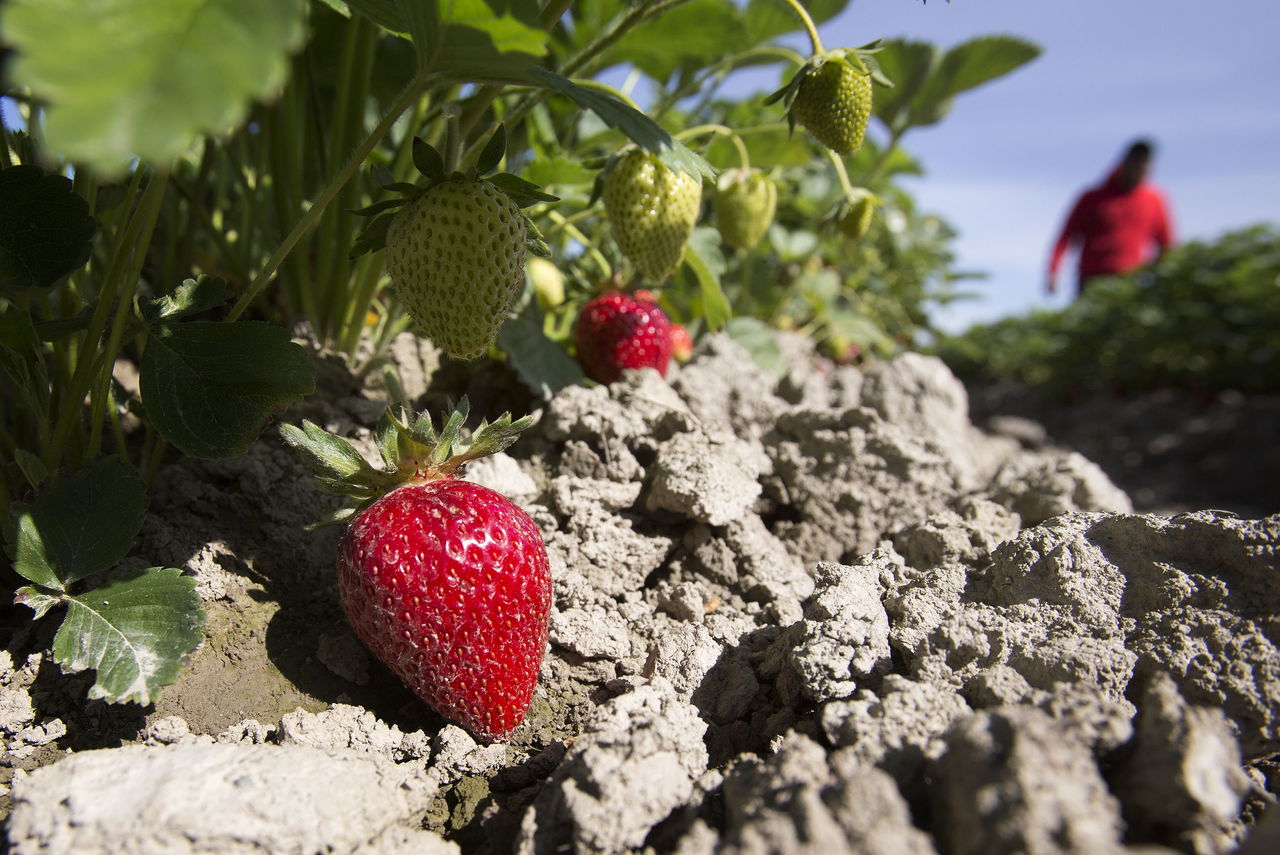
pixel 1202 317
pixel 224 187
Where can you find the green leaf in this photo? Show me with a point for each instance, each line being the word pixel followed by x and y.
pixel 758 340
pixel 910 65
pixel 81 525
pixel 146 77
pixel 702 255
pixel 766 19
pixel 523 193
pixel 642 130
pixel 542 364
pixel 45 229
pixel 135 633
pixel 493 152
pixel 210 388
pixel 427 160
pixel 373 237
pixel 695 33
pixel 965 67
pixel 421 23
pixel 558 170
pixel 192 297
pixel 32 466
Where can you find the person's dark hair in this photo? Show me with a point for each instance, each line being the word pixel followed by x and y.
pixel 1140 149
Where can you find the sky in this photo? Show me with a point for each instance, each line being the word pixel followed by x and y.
pixel 1200 77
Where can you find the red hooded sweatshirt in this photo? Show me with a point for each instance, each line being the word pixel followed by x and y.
pixel 1114 228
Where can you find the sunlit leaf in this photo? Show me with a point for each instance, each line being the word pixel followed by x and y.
pixel 144 78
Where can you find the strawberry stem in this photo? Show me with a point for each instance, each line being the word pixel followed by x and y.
pixel 841 173
pixel 721 130
pixel 809 26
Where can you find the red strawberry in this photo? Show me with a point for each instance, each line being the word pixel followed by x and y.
pixel 443 580
pixel 616 332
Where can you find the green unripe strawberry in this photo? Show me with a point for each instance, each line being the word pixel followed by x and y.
pixel 833 102
pixel 548 283
pixel 456 255
pixel 745 202
pixel 652 210
pixel 855 217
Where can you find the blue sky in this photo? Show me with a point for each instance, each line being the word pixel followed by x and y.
pixel 1200 77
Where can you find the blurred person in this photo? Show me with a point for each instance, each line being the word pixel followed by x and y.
pixel 1117 223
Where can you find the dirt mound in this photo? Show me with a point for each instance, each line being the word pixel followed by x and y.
pixel 816 613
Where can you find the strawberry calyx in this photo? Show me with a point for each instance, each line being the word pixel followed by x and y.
pixel 431 164
pixel 412 452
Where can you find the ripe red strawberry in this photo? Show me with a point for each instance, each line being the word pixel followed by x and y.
pixel 616 332
pixel 445 581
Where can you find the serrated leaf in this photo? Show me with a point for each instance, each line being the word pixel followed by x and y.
pixel 541 364
pixel 135 633
pixel 144 78
pixel 965 67
pixel 642 130
pixel 192 297
pixel 45 229
pixel 81 524
pixel 210 388
pixel 909 65
pixel 419 20
pixel 36 600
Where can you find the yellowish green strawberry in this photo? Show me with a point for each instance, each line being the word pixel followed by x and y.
pixel 855 215
pixel 745 202
pixel 548 283
pixel 456 247
pixel 456 256
pixel 651 209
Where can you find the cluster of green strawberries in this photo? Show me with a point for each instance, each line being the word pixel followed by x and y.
pixel 445 581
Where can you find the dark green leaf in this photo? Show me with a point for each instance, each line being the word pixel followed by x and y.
pixel 420 21
pixel 768 18
pixel 145 77
pixel 45 229
pixel 964 67
pixel 523 193
pixel 642 130
pixel 910 66
pixel 32 466
pixel 209 388
pixel 693 34
pixel 379 207
pixel 373 237
pixel 494 150
pixel 135 633
pixel 384 13
pixel 427 160
pixel 192 297
pixel 542 364
pixel 81 525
